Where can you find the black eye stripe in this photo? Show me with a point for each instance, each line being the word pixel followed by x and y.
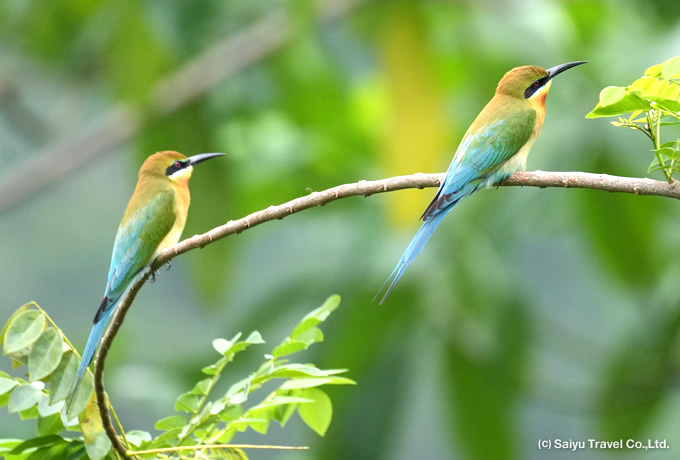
pixel 535 86
pixel 176 166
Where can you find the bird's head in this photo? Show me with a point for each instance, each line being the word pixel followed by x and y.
pixel 531 81
pixel 173 165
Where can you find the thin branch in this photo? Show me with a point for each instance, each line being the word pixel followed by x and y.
pixel 539 179
pixel 124 121
pixel 604 182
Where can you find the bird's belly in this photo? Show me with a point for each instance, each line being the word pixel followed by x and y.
pixel 171 238
pixel 517 162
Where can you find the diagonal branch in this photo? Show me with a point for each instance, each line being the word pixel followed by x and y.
pixel 604 182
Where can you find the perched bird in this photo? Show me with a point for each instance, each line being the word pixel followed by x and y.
pixel 153 221
pixel 494 147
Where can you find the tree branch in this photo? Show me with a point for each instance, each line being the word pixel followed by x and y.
pixel 637 186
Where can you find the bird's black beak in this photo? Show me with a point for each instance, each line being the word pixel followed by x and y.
pixel 196 159
pixel 558 69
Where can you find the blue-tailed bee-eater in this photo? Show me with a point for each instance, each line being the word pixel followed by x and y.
pixel 153 221
pixel 494 147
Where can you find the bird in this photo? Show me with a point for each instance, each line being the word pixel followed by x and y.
pixel 495 146
pixel 153 221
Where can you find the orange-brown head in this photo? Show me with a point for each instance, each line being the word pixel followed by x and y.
pixel 172 165
pixel 531 82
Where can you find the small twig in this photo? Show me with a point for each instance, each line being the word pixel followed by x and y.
pixel 542 179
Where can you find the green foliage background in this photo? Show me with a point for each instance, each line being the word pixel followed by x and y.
pixel 531 314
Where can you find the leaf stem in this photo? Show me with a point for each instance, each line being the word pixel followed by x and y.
pixel 654 130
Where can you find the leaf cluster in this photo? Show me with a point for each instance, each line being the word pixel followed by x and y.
pixel 651 101
pixel 205 421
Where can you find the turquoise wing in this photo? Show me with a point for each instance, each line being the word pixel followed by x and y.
pixel 137 240
pixel 479 157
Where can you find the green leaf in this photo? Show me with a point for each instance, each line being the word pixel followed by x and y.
pixel 24 397
pixel 137 437
pixel 30 413
pixel 98 448
pixel 663 92
pixel 227 435
pixel 611 95
pixel 630 103
pixel 296 370
pixel 281 400
pixel 238 392
pixel 167 439
pixel 51 424
pixel 317 316
pixel 654 71
pixel 23 331
pixel 669 152
pixel 231 413
pixel 7 445
pixel 315 382
pixel 222 346
pixel 202 387
pixel 283 413
pixel 45 408
pixel 6 384
pixel 303 370
pixel 655 166
pixel 229 348
pixel 45 355
pixel 63 377
pixel 16 313
pixel 187 402
pixel 289 348
pixel 671 68
pixel 169 423
pixel 318 414
pixel 305 334
pixel 258 424
pixel 41 441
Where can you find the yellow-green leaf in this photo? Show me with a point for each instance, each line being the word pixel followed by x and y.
pixel 24 397
pixel 316 415
pixel 6 384
pixel 63 377
pixel 45 355
pixel 99 447
pixel 23 331
pixel 671 68
pixel 16 313
pixel 611 95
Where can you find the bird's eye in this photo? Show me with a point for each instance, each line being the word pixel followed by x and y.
pixel 177 164
pixel 537 83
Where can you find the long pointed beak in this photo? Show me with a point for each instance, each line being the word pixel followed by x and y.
pixel 196 159
pixel 558 69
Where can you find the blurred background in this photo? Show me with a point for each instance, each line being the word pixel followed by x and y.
pixel 532 314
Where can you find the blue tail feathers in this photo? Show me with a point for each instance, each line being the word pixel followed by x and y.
pixel 415 246
pixel 101 320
